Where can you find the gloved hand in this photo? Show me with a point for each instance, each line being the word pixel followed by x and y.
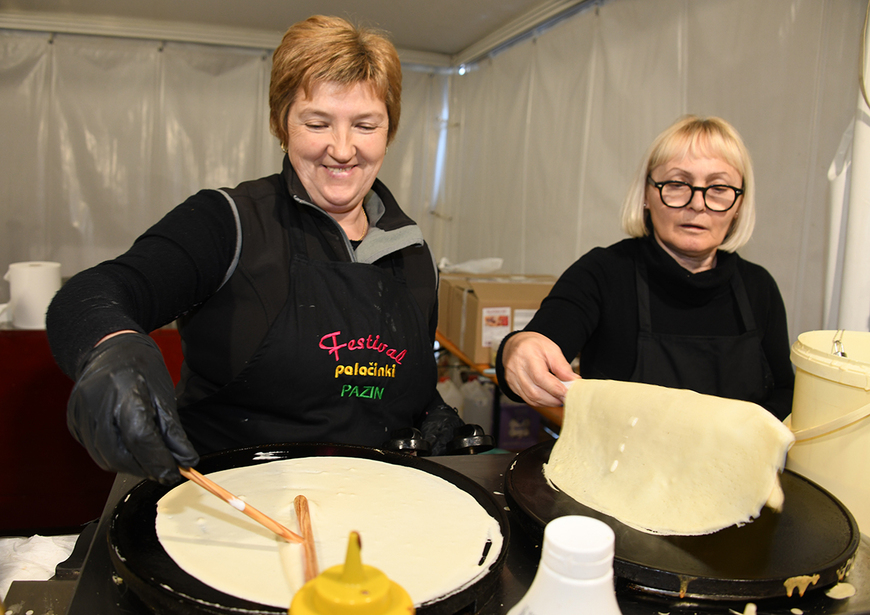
pixel 438 425
pixel 122 410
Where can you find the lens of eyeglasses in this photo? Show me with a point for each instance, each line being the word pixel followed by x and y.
pixel 717 198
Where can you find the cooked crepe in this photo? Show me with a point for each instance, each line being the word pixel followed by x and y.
pixel 423 532
pixel 668 461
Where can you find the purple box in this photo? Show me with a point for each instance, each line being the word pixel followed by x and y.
pixel 519 425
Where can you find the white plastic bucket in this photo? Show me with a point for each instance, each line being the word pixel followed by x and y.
pixel 831 416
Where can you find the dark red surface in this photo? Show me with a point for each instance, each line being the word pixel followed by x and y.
pixel 47 480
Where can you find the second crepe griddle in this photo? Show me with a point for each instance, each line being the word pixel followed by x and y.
pixel 813 535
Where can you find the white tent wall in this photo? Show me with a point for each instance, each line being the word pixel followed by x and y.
pixel 546 135
pixel 847 283
pixel 411 168
pixel 102 135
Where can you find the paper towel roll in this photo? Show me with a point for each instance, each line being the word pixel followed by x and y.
pixel 32 286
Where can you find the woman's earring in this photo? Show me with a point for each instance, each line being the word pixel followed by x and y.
pixel 283 148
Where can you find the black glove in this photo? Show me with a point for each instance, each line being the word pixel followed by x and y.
pixel 122 410
pixel 438 425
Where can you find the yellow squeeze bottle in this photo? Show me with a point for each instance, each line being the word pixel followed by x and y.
pixel 352 589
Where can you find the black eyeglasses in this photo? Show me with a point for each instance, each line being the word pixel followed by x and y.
pixel 718 197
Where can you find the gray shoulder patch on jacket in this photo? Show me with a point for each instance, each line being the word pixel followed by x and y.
pixel 238 251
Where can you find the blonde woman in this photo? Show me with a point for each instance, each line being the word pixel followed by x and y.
pixel 674 305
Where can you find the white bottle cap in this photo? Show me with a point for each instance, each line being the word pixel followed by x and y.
pixel 578 547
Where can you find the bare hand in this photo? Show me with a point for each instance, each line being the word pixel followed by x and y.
pixel 536 370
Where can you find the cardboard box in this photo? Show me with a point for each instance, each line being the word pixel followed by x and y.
pixel 476 312
pixel 447 283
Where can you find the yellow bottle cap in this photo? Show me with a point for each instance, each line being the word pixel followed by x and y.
pixel 352 589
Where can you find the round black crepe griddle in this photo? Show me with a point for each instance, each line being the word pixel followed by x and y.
pixel 165 588
pixel 813 535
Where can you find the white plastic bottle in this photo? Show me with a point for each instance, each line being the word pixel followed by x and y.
pixel 575 574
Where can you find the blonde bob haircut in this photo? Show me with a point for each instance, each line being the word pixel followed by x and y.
pixel 710 137
pixel 330 49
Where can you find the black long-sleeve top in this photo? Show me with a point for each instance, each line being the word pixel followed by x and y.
pixel 593 310
pixel 180 263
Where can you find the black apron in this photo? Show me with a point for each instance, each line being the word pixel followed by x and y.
pixel 726 366
pixel 347 360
